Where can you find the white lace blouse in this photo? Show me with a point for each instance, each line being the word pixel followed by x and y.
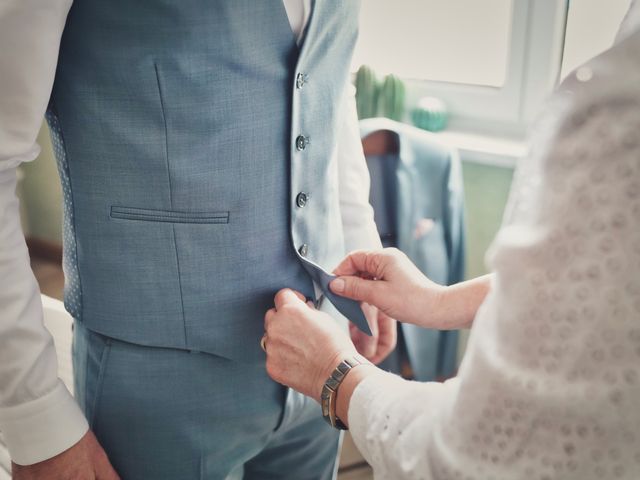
pixel 550 385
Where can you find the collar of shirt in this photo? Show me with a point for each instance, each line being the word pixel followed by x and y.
pixel 298 12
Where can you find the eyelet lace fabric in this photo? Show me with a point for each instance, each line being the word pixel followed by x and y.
pixel 550 385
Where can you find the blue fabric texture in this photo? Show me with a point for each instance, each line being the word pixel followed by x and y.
pixel 184 140
pixel 170 414
pixel 424 217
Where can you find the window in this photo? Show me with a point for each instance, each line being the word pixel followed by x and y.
pixel 491 61
pixel 591 28
pixel 471 39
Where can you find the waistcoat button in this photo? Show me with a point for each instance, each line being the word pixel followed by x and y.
pixel 301 142
pixel 301 79
pixel 301 199
pixel 303 250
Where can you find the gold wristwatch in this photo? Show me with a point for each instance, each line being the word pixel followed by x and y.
pixel 330 389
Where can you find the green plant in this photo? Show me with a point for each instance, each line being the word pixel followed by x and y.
pixel 366 92
pixel 391 98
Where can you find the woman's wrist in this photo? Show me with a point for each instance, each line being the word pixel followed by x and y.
pixel 447 308
pixel 457 304
pixel 429 304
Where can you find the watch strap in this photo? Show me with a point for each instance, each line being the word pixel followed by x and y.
pixel 329 394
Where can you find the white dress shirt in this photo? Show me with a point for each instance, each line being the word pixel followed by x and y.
pixel 549 387
pixel 38 416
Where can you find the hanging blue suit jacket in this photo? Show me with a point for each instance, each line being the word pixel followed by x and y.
pixel 422 215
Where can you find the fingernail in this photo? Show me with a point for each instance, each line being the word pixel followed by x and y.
pixel 337 285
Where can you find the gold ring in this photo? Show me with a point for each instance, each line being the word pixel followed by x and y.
pixel 263 342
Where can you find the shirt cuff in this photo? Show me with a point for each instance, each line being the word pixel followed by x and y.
pixel 385 403
pixel 43 428
pixel 370 399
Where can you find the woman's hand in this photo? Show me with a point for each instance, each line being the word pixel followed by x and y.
pixel 303 345
pixel 387 279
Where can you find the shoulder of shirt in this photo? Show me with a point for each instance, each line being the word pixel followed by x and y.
pixel 609 79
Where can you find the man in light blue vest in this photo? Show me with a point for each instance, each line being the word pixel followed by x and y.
pixel 208 159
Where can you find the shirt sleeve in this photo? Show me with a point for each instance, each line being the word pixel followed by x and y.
pixel 38 416
pixel 359 228
pixel 550 384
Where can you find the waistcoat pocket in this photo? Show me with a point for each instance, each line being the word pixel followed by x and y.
pixel 168 216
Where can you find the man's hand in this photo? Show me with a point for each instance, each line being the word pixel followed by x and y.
pixel 303 345
pixel 384 335
pixel 86 460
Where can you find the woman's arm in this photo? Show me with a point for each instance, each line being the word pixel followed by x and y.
pixel 549 385
pixel 388 280
pixel 459 303
pixel 550 382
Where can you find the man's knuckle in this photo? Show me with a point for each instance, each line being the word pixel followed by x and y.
pixel 280 296
pixel 271 370
pixel 274 371
pixel 273 331
pixel 289 309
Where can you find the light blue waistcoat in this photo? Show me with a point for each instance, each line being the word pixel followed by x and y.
pixel 196 146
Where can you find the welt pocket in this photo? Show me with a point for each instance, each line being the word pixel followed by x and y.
pixel 168 216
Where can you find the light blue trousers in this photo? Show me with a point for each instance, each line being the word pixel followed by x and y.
pixel 172 414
